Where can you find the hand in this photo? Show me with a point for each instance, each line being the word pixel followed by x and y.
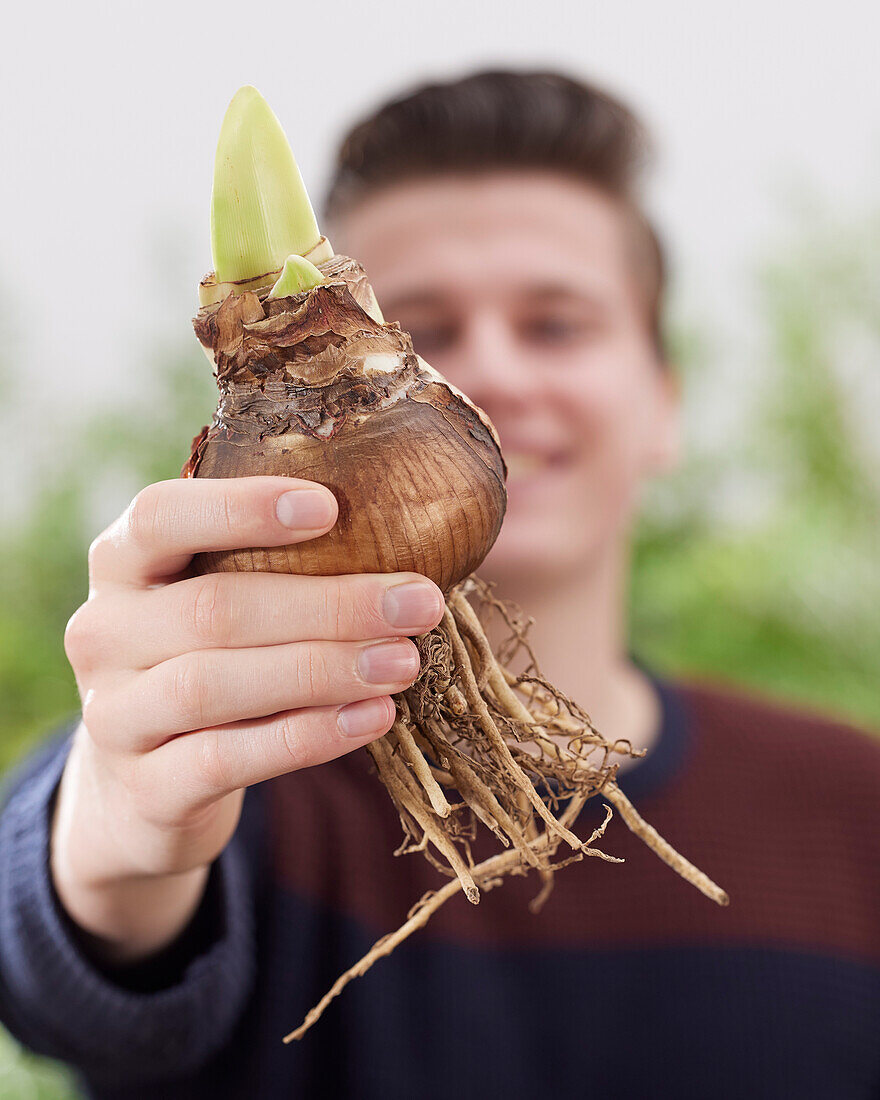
pixel 193 688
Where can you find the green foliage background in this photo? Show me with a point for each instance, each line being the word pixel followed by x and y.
pixel 783 602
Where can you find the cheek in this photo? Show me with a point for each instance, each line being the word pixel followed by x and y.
pixel 609 412
pixel 601 418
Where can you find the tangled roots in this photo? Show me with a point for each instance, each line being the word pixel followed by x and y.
pixel 474 743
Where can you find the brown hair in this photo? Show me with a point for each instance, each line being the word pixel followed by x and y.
pixel 508 120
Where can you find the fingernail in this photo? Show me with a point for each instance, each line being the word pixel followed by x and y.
pixel 388 663
pixel 306 509
pixel 413 605
pixel 367 716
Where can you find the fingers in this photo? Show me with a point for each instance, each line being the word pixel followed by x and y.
pixel 167 523
pixel 215 762
pixel 216 687
pixel 240 610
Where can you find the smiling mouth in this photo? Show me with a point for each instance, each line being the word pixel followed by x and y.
pixel 524 464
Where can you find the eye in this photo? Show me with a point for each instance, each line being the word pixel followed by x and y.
pixel 554 330
pixel 431 339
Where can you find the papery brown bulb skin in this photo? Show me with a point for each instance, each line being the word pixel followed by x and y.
pixel 415 468
pixel 407 502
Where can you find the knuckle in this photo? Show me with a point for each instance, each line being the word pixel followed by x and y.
pixel 105 715
pixel 151 804
pixel 186 690
pixel 312 673
pixel 208 612
pixel 93 713
pixel 214 770
pixel 363 607
pixel 97 635
pixel 233 511
pixel 97 551
pixel 169 811
pixel 291 734
pixel 331 605
pixel 354 607
pixel 79 636
pixel 143 516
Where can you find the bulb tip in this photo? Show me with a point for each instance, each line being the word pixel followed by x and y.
pixel 246 92
pixel 247 101
pixel 260 210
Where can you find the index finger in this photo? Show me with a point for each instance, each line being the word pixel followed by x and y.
pixel 170 521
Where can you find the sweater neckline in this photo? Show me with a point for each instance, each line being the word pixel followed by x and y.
pixel 668 755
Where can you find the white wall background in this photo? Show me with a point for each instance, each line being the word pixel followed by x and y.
pixel 109 115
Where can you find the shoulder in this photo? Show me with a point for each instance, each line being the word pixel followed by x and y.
pixel 782 807
pixel 796 755
pixel 775 726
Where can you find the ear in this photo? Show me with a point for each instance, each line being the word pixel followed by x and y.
pixel 664 454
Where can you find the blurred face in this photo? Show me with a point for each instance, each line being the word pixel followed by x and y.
pixel 520 289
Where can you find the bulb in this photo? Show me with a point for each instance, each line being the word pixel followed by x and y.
pixel 313 387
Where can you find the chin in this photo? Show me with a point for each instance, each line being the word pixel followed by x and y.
pixel 521 560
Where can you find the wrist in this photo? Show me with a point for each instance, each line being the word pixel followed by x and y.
pixel 123 911
pixel 130 919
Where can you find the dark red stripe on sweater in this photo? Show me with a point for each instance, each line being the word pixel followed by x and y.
pixel 781 809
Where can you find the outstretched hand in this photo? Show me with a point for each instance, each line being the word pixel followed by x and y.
pixel 195 687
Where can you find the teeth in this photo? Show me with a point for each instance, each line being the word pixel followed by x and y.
pixel 520 465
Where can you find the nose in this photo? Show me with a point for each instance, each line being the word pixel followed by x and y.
pixel 492 367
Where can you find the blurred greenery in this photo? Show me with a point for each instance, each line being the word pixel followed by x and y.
pixel 25 1077
pixel 780 598
pixel 783 600
pixel 112 455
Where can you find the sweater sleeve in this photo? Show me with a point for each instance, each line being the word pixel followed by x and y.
pixel 56 1001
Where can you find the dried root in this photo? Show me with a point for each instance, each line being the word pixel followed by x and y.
pixel 475 743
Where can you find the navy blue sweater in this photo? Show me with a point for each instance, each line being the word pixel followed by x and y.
pixel 629 984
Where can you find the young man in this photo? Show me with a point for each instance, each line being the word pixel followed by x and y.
pixel 161 933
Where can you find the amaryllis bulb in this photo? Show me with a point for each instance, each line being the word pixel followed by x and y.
pixel 313 384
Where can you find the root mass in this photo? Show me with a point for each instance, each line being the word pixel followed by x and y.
pixel 474 744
